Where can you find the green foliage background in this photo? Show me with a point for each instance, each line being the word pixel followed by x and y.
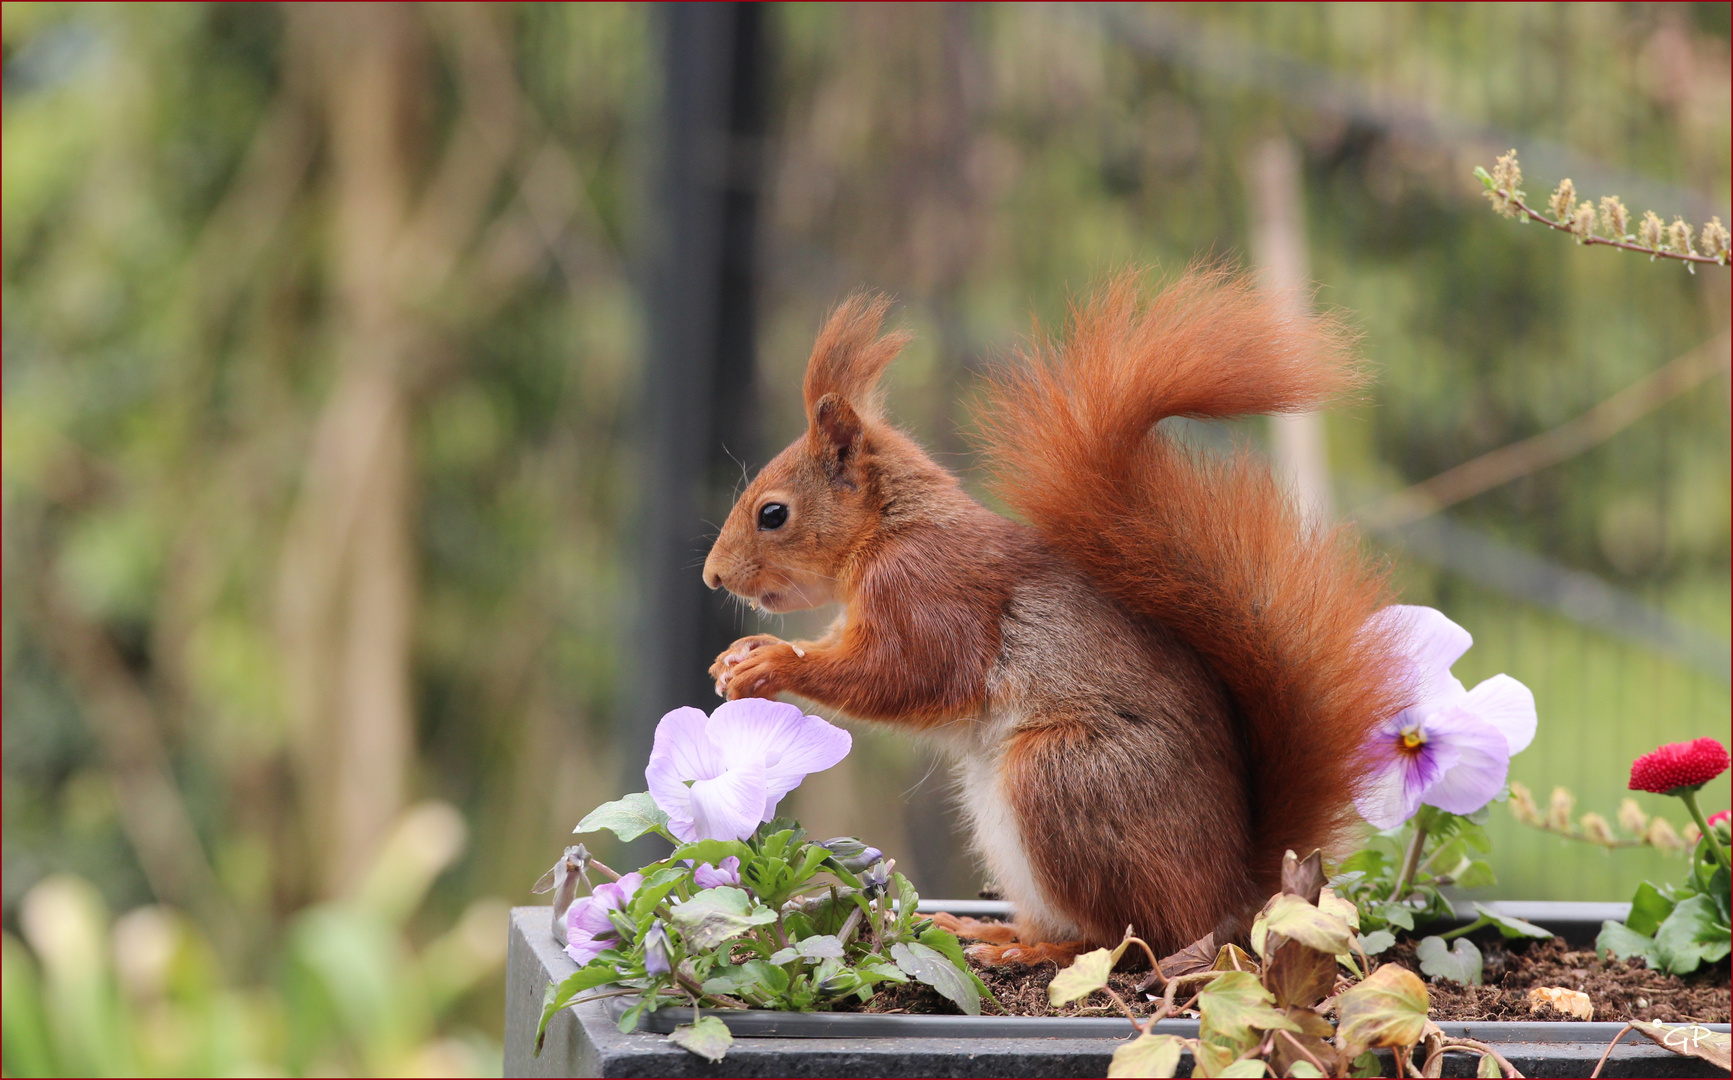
pixel 192 317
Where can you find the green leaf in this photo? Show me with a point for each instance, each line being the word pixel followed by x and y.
pixel 1458 961
pixel 1625 943
pixel 655 889
pixel 1303 1068
pixel 1512 927
pixel 558 997
pixel 712 851
pixel 754 978
pixel 1376 942
pixel 1245 1067
pixel 1649 909
pixel 1691 936
pixel 1367 1065
pixel 816 947
pixel 1476 875
pixel 1395 914
pixel 716 915
pixel 1476 837
pixel 1368 861
pixel 627 818
pixel 1488 1066
pixel 1387 1009
pixel 1147 1055
pixel 1721 891
pixel 1483 176
pixel 1235 1006
pixel 936 970
pixel 1087 974
pixel 907 899
pixel 708 1038
pixel 1293 918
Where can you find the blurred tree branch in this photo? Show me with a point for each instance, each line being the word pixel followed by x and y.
pixel 1536 452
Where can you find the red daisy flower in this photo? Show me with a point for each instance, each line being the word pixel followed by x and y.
pixel 1679 765
pixel 1718 818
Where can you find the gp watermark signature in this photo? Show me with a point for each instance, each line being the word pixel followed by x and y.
pixel 1688 1038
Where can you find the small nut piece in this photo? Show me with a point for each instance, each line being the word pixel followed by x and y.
pixel 1570 1002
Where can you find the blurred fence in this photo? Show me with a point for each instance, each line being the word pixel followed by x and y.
pixel 343 346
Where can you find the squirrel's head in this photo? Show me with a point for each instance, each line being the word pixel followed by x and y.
pixel 789 539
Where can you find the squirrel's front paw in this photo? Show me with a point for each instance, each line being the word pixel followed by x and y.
pixel 723 669
pixel 758 673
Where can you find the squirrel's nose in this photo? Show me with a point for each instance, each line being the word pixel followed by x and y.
pixel 712 576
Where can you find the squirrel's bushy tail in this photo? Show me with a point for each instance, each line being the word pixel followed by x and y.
pixel 1211 547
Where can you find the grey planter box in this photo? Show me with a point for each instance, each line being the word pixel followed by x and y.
pixel 585 1041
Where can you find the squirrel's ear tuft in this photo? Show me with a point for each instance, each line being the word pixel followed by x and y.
pixel 836 438
pixel 850 355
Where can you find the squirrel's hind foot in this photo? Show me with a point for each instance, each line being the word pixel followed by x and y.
pixel 999 943
pixel 997 933
pixel 1019 952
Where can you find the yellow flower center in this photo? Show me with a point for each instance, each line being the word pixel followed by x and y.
pixel 1412 739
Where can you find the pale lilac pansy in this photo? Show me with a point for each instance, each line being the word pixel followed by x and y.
pixel 1452 747
pixel 718 776
pixel 588 928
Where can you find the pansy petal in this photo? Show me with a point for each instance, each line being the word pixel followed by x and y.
pixel 1432 643
pixel 1384 800
pixel 684 747
pixel 682 751
pixel 586 918
pixel 1507 705
pixel 727 807
pixel 1482 765
pixel 790 744
pixel 1402 780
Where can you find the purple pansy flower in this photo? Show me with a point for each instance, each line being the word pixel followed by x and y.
pixel 588 928
pixel 718 776
pixel 709 877
pixel 1452 747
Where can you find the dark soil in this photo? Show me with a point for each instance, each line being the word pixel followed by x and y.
pixel 1620 990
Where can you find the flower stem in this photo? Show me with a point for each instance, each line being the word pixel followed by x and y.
pixel 1690 798
pixel 1410 863
pixel 1469 929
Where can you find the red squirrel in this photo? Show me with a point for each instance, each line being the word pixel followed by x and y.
pixel 1152 689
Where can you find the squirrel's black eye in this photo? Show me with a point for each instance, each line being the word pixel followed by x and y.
pixel 772 516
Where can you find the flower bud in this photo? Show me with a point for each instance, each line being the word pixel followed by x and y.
pixel 851 854
pixel 1506 178
pixel 658 959
pixel 1563 200
pixel 1522 805
pixel 1632 819
pixel 1614 216
pixel 1662 836
pixel 1558 811
pixel 1649 232
pixel 875 881
pixel 1583 224
pixel 1715 239
pixel 1679 237
pixel 1596 829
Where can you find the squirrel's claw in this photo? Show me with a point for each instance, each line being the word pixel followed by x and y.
pixel 723 670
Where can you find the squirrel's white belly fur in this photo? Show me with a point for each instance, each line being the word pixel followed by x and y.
pixel 997 834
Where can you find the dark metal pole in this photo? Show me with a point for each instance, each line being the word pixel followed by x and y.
pixel 699 396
